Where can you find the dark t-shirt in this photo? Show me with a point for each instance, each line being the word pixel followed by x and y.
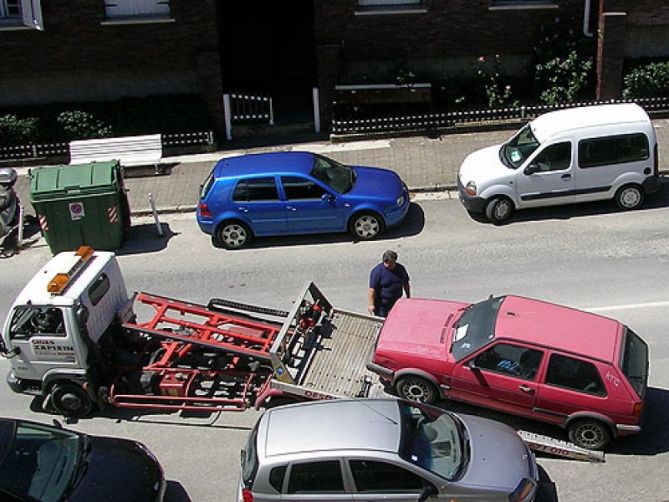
pixel 388 283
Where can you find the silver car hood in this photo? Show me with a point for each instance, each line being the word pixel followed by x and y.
pixel 499 457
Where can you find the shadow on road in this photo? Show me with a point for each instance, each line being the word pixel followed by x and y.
pixel 175 492
pixel 412 225
pixel 146 239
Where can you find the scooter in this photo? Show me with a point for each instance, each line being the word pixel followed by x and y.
pixel 9 202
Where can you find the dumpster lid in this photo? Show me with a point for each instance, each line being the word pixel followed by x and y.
pixel 92 178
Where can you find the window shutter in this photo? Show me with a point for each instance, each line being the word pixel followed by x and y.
pixel 32 14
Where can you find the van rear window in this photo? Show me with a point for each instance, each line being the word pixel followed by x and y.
pixel 635 361
pixel 608 150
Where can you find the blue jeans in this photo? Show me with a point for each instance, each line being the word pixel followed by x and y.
pixel 382 308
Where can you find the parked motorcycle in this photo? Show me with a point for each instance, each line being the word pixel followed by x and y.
pixel 9 202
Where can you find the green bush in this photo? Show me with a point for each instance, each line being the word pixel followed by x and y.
pixel 497 93
pixel 565 78
pixel 647 81
pixel 17 131
pixel 82 125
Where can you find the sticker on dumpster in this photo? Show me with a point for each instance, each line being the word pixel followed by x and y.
pixel 76 211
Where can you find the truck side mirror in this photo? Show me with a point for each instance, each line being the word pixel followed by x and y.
pixel 531 169
pixel 428 490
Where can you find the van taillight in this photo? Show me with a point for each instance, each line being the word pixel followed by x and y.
pixel 205 212
pixel 637 409
pixel 247 496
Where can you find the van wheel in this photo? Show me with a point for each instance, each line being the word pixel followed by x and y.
pixel 71 400
pixel 589 434
pixel 413 388
pixel 629 197
pixel 367 226
pixel 233 235
pixel 499 210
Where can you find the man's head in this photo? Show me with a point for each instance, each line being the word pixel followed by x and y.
pixel 390 259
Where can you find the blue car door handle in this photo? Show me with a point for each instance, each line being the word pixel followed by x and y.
pixel 243 209
pixel 291 208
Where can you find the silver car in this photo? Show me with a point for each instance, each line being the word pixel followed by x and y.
pixel 371 449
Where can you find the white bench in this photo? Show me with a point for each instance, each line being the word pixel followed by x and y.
pixel 128 150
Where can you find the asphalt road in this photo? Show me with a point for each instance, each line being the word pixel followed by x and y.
pixel 589 256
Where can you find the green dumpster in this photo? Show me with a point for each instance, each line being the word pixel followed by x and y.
pixel 81 204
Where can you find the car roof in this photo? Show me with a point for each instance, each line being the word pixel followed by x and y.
pixel 559 327
pixel 561 121
pixel 265 163
pixel 341 424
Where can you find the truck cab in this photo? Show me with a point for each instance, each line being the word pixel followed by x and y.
pixel 57 320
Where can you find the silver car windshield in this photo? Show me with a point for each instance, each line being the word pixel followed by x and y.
pixel 518 149
pixel 433 440
pixel 335 175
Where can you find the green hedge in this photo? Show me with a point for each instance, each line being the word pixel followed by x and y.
pixel 648 81
pixel 126 117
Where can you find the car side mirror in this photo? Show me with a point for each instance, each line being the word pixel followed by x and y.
pixel 427 492
pixel 531 169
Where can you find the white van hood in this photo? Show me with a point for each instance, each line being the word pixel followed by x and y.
pixel 482 166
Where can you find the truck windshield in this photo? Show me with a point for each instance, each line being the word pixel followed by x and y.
pixel 635 361
pixel 517 150
pixel 40 462
pixel 335 175
pixel 434 440
pixel 476 327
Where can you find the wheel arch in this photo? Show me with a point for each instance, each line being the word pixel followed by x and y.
pixel 229 217
pixel 365 208
pixel 418 373
pixel 499 191
pixel 588 415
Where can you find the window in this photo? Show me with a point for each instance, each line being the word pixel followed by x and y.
pixel 554 157
pixel 523 4
pixel 98 289
pixel 29 321
pixel 301 188
pixel 256 189
pixel 476 327
pixel 367 3
pixel 511 360
pixel 276 476
pixel 380 477
pixel 316 477
pixel 635 361
pixel 612 150
pixel 574 374
pixel 137 8
pixel 20 13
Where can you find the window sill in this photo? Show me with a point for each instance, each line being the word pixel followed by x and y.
pixel 137 20
pixel 382 11
pixel 522 5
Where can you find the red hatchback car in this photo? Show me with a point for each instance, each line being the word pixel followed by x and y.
pixel 582 371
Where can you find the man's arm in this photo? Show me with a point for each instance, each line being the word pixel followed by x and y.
pixel 407 289
pixel 370 300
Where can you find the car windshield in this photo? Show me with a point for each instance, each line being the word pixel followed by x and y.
pixel 635 361
pixel 39 461
pixel 337 176
pixel 476 327
pixel 516 151
pixel 249 457
pixel 434 440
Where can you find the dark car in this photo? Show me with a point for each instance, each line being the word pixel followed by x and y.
pixel 46 463
pixel 283 193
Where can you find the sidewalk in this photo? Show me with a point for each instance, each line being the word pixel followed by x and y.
pixel 425 164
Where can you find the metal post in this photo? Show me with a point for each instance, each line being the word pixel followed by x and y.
pixel 155 214
pixel 317 110
pixel 228 116
pixel 19 238
pixel 271 112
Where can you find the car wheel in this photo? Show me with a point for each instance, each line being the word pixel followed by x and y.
pixel 589 434
pixel 629 197
pixel 367 226
pixel 233 235
pixel 499 210
pixel 71 400
pixel 413 388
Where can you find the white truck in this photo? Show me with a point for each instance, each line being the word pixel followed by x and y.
pixel 73 338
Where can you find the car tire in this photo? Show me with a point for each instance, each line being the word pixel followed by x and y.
pixel 499 210
pixel 367 226
pixel 233 234
pixel 629 197
pixel 414 388
pixel 71 400
pixel 589 434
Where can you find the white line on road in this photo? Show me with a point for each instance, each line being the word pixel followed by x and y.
pixel 630 306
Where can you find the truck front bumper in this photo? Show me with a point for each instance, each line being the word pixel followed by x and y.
pixel 23 386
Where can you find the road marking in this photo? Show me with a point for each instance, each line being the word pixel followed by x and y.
pixel 630 306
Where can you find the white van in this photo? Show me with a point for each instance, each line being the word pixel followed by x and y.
pixel 574 155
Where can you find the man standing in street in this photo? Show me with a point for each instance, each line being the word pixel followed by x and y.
pixel 387 281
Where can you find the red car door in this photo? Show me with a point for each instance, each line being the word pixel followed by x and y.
pixel 503 376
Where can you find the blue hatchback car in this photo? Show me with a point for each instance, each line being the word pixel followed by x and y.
pixel 297 193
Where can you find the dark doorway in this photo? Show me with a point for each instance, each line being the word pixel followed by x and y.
pixel 268 48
